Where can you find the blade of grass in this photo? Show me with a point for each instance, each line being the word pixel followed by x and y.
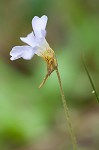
pixel 90 79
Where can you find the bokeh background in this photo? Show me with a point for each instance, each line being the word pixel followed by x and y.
pixel 32 118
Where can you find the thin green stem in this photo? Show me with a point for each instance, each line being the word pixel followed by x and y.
pixel 73 138
pixel 90 79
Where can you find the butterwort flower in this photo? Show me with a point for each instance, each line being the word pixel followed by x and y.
pixel 36 44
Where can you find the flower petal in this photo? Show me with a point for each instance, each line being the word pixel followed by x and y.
pixel 26 52
pixel 39 25
pixel 29 39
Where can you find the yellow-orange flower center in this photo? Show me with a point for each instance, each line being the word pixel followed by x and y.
pixel 49 57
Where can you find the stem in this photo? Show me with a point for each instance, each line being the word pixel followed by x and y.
pixel 73 138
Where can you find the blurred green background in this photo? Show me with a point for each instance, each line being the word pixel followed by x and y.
pixel 32 118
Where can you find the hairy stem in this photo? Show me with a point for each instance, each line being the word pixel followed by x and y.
pixel 73 138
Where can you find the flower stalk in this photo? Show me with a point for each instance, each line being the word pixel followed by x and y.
pixel 52 65
pixel 73 138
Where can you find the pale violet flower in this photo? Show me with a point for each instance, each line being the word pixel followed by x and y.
pixel 36 42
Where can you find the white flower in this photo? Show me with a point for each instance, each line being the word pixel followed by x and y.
pixel 36 41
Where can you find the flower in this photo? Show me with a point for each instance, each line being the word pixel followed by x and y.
pixel 36 44
pixel 36 41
